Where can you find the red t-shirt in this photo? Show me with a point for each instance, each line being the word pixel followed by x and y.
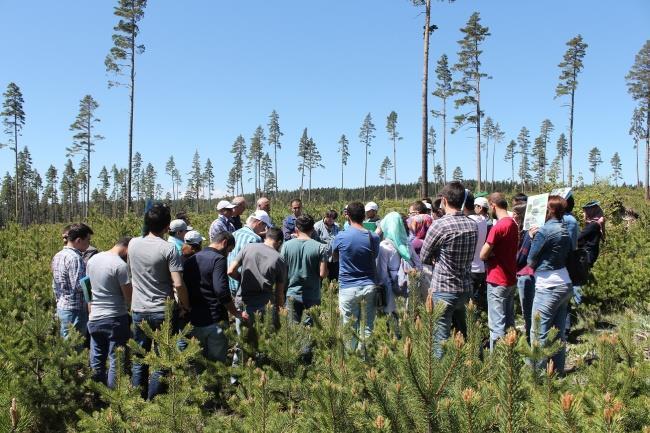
pixel 502 266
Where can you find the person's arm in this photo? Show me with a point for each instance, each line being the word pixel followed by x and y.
pixel 536 248
pixel 125 283
pixel 287 231
pixel 587 232
pixel 430 246
pixel 181 290
pixel 382 262
pixel 323 271
pixel 233 270
pixel 334 248
pixel 486 251
pixel 127 292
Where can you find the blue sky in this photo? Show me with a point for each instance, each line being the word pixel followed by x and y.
pixel 215 69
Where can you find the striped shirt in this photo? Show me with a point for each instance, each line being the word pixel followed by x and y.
pixel 221 224
pixel 68 268
pixel 243 237
pixel 449 246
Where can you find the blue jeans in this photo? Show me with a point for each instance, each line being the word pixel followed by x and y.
pixel 213 340
pixel 76 318
pixel 526 287
pixel 501 311
pixel 106 335
pixel 454 313
pixel 350 299
pixel 149 387
pixel 551 305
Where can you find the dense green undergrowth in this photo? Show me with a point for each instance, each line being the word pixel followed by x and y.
pixel 394 385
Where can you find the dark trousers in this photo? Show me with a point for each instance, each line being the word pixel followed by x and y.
pixel 479 291
pixel 106 335
pixel 149 387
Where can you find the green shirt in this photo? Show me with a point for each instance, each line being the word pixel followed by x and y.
pixel 303 259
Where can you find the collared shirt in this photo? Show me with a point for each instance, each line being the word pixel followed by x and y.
pixel 243 237
pixel 449 246
pixel 221 224
pixel 176 242
pixel 325 234
pixel 68 268
pixel 288 227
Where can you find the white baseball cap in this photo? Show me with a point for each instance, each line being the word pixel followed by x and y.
pixel 481 201
pixel 262 216
pixel 193 238
pixel 371 205
pixel 225 204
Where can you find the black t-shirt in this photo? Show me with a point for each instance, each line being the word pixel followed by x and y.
pixel 589 239
pixel 207 284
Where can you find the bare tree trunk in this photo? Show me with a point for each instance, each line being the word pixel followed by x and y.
pixel 638 179
pixel 394 168
pixel 573 92
pixel 494 149
pixel 88 174
pixel 132 100
pixel 647 155
pixel 425 109
pixel 478 133
pixel 444 139
pixel 365 171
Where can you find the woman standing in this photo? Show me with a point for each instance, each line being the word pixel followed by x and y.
pixel 594 231
pixel 548 258
pixel 393 251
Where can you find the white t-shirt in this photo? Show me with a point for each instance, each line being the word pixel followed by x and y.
pixel 547 279
pixel 478 265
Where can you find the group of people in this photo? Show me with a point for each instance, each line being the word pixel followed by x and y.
pixel 461 247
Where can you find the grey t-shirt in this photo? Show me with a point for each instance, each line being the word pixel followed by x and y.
pixel 107 273
pixel 261 268
pixel 151 261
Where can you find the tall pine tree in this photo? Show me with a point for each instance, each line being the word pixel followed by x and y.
pixel 638 85
pixel 366 135
pixel 595 159
pixel 562 148
pixel 344 151
pixel 637 131
pixel 523 140
pixel 570 67
pixel 444 91
pixel 617 168
pixel 120 61
pixel 13 120
pixel 384 173
pixel 391 128
pixel 274 142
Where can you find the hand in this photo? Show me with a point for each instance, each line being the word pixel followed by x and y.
pixel 245 316
pixel 533 231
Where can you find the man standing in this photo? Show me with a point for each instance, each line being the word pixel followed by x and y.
pixel 224 222
pixel 500 253
pixel 371 209
pixel 68 268
pixel 264 204
pixel 356 250
pixel 263 274
pixel 240 207
pixel 156 273
pixel 289 223
pixel 477 212
pixel 449 246
pixel 306 261
pixel 177 230
pixel 207 283
pixel 108 325
pixel 256 226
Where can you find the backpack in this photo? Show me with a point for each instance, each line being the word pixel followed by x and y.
pixel 578 266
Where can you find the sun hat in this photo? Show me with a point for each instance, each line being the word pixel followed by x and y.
pixel 481 201
pixel 262 216
pixel 371 205
pixel 225 204
pixel 193 238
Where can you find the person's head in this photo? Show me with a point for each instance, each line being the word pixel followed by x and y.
pixel 157 219
pixel 264 204
pixel 453 196
pixel 330 217
pixel 224 242
pixel 296 207
pixel 240 206
pixel 592 211
pixel 356 212
pixel 259 222
pixel 518 213
pixel 469 204
pixel 274 238
pixel 225 208
pixel 417 208
pixel 555 208
pixel 519 198
pixel 182 215
pixel 436 208
pixel 64 234
pixel 178 228
pixel 121 248
pixel 79 236
pixel 481 206
pixel 194 238
pixel 497 203
pixel 305 224
pixel 570 203
pixel 371 209
pixel 427 200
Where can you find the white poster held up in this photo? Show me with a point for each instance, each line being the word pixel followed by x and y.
pixel 535 211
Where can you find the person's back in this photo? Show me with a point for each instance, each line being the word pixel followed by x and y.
pixel 303 258
pixel 502 265
pixel 108 273
pixel 151 261
pixel 356 263
pixel 261 268
pixel 203 271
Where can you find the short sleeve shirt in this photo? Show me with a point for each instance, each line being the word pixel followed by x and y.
pixel 303 259
pixel 262 268
pixel 358 250
pixel 107 273
pixel 151 261
pixel 502 266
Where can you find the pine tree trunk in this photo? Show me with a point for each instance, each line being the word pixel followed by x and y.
pixel 132 100
pixel 275 166
pixel 487 158
pixel 342 175
pixel 425 109
pixel 647 154
pixel 638 179
pixel 478 129
pixel 16 179
pixel 309 193
pixel 365 170
pixel 444 139
pixel 394 168
pixel 573 92
pixel 494 149
pixel 88 174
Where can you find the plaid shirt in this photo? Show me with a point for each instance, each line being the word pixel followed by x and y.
pixel 221 224
pixel 68 268
pixel 449 246
pixel 243 237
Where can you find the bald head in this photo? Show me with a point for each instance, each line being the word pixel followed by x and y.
pixel 264 204
pixel 240 205
pixel 498 200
